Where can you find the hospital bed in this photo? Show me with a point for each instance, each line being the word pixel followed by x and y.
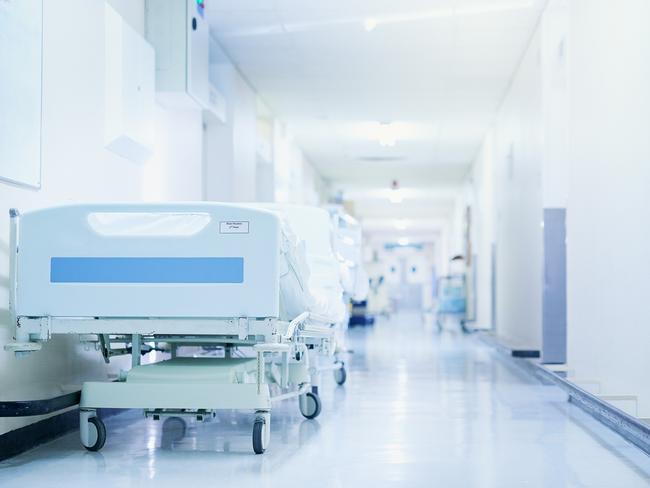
pixel 452 300
pixel 138 277
pixel 347 243
pixel 316 283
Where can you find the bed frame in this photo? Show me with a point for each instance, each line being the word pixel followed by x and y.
pixel 159 276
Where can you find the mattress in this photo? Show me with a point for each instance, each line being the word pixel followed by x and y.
pixel 309 271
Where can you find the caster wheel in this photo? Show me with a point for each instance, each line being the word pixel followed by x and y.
pixel 340 375
pixel 310 405
pixel 175 428
pixel 96 434
pixel 259 441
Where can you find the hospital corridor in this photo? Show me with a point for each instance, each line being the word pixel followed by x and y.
pixel 339 244
pixel 449 413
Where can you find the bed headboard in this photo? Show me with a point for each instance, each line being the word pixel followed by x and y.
pixel 147 260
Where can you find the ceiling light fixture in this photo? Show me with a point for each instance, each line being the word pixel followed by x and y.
pixel 387 135
pixel 403 241
pixel 370 24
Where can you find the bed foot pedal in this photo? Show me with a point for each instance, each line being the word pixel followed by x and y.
pixel 22 348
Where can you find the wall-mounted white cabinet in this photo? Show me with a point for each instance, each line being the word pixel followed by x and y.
pixel 179 33
pixel 129 90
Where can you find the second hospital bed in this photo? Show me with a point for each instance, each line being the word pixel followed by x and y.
pixel 143 276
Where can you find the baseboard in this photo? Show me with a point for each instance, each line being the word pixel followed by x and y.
pixel 633 430
pixel 29 408
pixel 33 435
pixel 630 428
pixel 508 349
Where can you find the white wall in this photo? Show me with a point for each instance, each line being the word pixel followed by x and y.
pixel 283 162
pixel 483 238
pixel 521 169
pixel 296 180
pixel 458 224
pixel 76 167
pixel 265 170
pixel 218 167
pixel 175 172
pixel 555 55
pixel 578 118
pixel 264 182
pixel 230 158
pixel 507 209
pixel 518 201
pixel 244 122
pixel 609 201
pixel 314 188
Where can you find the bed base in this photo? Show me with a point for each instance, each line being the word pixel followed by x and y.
pixel 287 355
pixel 198 387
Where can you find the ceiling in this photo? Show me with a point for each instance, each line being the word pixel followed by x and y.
pixel 333 68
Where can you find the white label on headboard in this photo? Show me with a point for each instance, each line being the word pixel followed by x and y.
pixel 234 227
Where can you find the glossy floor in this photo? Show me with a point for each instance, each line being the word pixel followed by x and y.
pixel 419 409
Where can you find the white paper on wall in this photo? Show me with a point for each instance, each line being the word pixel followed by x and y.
pixel 21 53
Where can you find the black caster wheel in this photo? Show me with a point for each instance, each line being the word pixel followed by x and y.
pixel 96 434
pixel 259 442
pixel 174 429
pixel 340 375
pixel 464 328
pixel 310 405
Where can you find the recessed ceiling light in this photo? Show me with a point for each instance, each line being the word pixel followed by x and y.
pixel 387 134
pixel 370 24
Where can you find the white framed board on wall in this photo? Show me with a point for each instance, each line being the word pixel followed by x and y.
pixel 21 91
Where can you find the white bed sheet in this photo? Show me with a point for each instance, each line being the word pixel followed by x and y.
pixel 309 271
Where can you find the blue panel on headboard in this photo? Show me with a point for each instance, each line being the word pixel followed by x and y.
pixel 146 270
